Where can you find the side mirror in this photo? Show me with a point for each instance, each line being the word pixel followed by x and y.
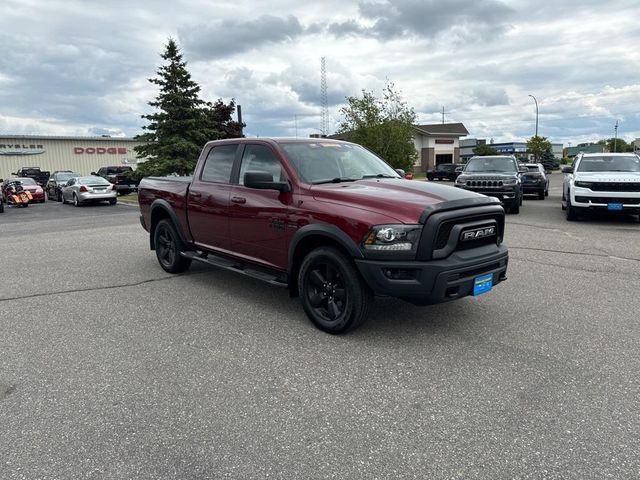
pixel 264 181
pixel 400 172
pixel 567 169
pixel 459 169
pixel 94 173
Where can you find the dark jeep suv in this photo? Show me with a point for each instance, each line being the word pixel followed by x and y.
pixel 495 176
pixel 444 171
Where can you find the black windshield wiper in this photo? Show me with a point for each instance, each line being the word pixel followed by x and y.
pixel 379 175
pixel 336 180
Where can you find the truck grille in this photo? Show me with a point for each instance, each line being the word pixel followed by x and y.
pixel 484 183
pixel 443 236
pixel 615 186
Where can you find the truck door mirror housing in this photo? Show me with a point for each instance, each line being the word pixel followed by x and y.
pixel 400 172
pixel 459 169
pixel 567 169
pixel 264 181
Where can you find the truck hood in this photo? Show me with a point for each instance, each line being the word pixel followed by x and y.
pixel 404 200
pixel 620 177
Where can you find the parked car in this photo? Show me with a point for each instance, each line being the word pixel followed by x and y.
pixel 30 185
pixel 535 180
pixel 120 176
pixel 82 190
pixel 607 182
pixel 496 176
pixel 328 220
pixel 444 171
pixel 56 181
pixel 41 177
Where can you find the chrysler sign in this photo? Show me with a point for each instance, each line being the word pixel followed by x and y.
pixel 100 150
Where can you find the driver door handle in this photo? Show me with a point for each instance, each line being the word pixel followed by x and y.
pixel 238 200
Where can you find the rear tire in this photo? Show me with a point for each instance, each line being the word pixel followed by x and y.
pixel 168 247
pixel 334 296
pixel 113 201
pixel 76 202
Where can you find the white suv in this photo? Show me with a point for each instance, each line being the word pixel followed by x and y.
pixel 602 181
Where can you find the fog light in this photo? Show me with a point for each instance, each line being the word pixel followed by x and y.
pixel 400 273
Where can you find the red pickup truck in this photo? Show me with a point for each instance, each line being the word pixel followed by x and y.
pixel 330 221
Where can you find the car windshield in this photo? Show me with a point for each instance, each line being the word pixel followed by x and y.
pixel 626 163
pixel 93 181
pixel 116 170
pixel 533 168
pixel 325 162
pixel 490 164
pixel 444 166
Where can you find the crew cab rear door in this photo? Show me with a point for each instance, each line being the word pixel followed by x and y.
pixel 258 221
pixel 208 198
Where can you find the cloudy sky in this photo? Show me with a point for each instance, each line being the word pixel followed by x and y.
pixel 80 67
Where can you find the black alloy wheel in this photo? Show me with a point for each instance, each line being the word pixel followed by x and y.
pixel 168 249
pixel 334 295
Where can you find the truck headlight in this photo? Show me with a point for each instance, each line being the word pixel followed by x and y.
pixel 461 180
pixel 510 181
pixel 583 184
pixel 393 238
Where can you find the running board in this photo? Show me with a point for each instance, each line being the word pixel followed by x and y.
pixel 236 266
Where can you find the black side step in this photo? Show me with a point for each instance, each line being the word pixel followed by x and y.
pixel 237 266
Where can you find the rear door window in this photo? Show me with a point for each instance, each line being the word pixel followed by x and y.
pixel 219 164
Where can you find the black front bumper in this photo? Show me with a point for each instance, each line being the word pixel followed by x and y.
pixel 435 281
pixel 506 195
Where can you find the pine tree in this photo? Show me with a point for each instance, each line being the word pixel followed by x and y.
pixel 178 129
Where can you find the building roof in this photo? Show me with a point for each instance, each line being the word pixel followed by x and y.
pixel 54 137
pixel 455 129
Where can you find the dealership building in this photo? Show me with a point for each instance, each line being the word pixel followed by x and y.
pixel 518 149
pixel 80 154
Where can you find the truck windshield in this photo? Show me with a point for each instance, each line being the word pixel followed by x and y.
pixel 324 162
pixel 622 163
pixel 491 164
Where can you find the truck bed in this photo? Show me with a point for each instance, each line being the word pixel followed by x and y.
pixel 173 190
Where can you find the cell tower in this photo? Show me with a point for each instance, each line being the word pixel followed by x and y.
pixel 324 104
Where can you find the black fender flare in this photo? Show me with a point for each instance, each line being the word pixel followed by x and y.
pixel 168 209
pixel 324 230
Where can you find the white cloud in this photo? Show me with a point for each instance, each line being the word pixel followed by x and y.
pixel 82 67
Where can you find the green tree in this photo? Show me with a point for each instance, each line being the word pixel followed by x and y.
pixel 182 122
pixel 483 150
pixel 618 145
pixel 537 145
pixel 384 126
pixel 219 119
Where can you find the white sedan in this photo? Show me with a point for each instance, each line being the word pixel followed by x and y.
pixel 81 190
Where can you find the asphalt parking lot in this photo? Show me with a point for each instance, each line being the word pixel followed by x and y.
pixel 111 368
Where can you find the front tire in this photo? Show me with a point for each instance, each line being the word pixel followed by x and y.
pixel 168 245
pixel 572 215
pixel 515 207
pixel 334 296
pixel 541 195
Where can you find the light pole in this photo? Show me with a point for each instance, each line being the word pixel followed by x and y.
pixel 534 99
pixel 615 140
